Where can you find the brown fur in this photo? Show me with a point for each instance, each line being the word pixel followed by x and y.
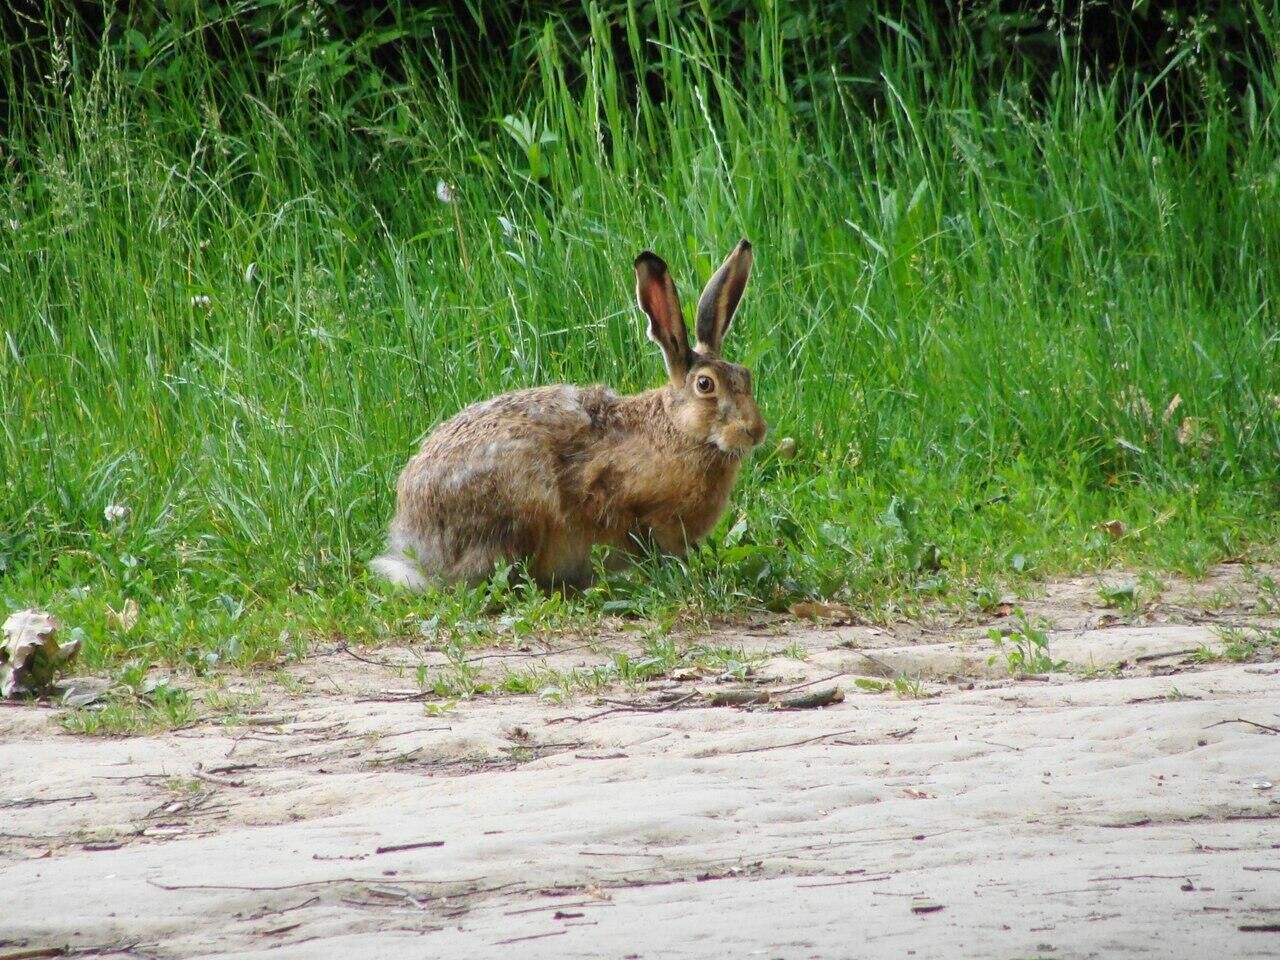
pixel 542 475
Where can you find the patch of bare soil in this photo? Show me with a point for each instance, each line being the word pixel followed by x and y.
pixel 1123 808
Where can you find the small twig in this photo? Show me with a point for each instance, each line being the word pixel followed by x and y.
pixel 656 708
pixel 1007 746
pixel 807 683
pixel 135 776
pixel 536 936
pixel 397 847
pixel 377 663
pixel 199 774
pixel 230 767
pixel 783 746
pixel 310 901
pixel 24 802
pixel 1143 876
pixel 318 883
pixel 391 696
pixel 34 952
pixel 627 708
pixel 1260 726
pixel 404 733
pixel 1147 657
pixel 875 878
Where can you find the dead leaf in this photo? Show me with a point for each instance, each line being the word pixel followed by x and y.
pixel 820 610
pixel 30 656
pixel 1193 432
pixel 915 794
pixel 1169 411
pixel 1132 402
pixel 1115 529
pixel 124 618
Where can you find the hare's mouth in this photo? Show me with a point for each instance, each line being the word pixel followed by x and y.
pixel 733 451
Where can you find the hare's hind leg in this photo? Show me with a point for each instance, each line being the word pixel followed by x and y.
pixel 564 560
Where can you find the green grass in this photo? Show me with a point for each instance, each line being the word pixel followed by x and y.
pixel 235 313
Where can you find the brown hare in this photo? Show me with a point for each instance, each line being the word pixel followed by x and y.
pixel 542 475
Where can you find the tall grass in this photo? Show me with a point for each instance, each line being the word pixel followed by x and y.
pixel 990 322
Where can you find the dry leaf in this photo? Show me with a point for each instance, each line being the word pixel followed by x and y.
pixel 915 794
pixel 817 610
pixel 1174 404
pixel 1115 529
pixel 31 655
pixel 1132 402
pixel 1193 432
pixel 125 617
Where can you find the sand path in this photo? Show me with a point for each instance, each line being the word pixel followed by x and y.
pixel 1111 811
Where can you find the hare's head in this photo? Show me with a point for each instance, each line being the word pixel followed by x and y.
pixel 712 398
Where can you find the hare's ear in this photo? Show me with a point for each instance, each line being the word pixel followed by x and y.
pixel 720 299
pixel 656 294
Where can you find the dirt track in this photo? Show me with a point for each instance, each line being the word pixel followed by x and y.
pixel 1080 816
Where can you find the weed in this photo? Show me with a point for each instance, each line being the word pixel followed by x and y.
pixel 1243 644
pixel 903 685
pixel 1025 649
pixel 1122 596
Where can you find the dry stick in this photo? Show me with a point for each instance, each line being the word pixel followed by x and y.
pixel 397 847
pixel 377 663
pixel 627 708
pixel 24 802
pixel 200 774
pixel 35 952
pixel 646 708
pixel 560 906
pixel 1143 876
pixel 549 652
pixel 398 733
pixel 807 683
pixel 1147 657
pixel 310 901
pixel 1260 726
pixel 536 936
pixel 783 746
pixel 316 883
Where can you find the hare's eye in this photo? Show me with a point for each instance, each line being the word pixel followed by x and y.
pixel 705 384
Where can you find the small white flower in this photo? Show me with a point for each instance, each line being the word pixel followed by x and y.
pixel 115 512
pixel 444 192
pixel 202 300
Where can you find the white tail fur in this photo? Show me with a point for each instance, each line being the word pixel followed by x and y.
pixel 400 570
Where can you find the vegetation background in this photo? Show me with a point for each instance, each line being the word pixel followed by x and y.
pixel 1013 299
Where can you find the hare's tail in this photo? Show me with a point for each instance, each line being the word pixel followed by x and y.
pixel 400 569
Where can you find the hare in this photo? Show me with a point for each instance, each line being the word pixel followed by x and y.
pixel 541 475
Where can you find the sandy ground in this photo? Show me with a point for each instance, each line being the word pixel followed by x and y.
pixel 1123 809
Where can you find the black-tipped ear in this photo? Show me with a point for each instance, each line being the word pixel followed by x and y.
pixel 656 294
pixel 720 299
